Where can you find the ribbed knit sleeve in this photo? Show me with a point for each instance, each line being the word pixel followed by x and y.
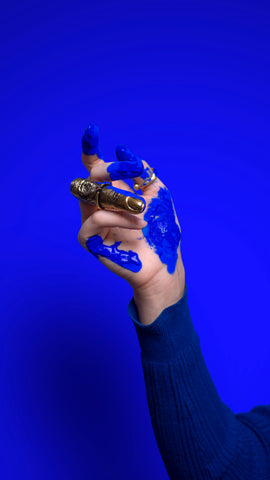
pixel 198 436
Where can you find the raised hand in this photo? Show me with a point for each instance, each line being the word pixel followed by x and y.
pixel 143 249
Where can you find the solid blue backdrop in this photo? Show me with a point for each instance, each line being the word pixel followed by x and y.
pixel 186 86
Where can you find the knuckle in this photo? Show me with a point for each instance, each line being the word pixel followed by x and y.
pixel 92 176
pixel 95 219
pixel 81 238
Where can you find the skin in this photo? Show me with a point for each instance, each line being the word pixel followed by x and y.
pixel 160 282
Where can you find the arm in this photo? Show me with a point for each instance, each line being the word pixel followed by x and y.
pixel 198 436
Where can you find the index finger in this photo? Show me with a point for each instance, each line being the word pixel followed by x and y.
pixel 91 156
pixel 91 151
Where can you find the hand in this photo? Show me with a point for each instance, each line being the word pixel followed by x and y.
pixel 143 249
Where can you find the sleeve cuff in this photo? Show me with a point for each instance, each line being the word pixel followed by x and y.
pixel 169 334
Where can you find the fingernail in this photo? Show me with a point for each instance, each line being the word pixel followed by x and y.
pixel 123 153
pixel 126 156
pixel 90 140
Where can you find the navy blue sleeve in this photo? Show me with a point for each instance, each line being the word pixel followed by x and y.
pixel 198 436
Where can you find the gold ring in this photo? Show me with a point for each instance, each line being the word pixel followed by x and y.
pixel 146 182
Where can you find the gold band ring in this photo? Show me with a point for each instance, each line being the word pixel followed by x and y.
pixel 146 182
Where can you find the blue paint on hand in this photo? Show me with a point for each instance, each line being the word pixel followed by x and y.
pixel 162 232
pixel 125 155
pixel 129 260
pixel 90 140
pixel 120 170
pixel 146 173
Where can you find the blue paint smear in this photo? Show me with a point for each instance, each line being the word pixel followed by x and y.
pixel 90 140
pixel 126 193
pixel 162 232
pixel 146 173
pixel 124 154
pixel 129 260
pixel 119 170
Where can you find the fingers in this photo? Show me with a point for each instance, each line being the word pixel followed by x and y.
pixel 127 166
pixel 112 171
pixel 125 155
pixel 100 220
pixel 91 155
pixel 91 152
pixel 106 196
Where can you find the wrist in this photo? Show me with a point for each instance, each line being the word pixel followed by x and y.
pixel 160 293
pixel 169 335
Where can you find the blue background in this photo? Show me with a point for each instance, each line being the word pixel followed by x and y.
pixel 186 86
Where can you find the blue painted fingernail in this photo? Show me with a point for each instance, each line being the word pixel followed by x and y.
pixel 120 170
pixel 123 153
pixel 162 232
pixel 90 140
pixel 129 260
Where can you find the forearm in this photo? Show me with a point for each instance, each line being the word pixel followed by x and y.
pixel 197 434
pixel 190 423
